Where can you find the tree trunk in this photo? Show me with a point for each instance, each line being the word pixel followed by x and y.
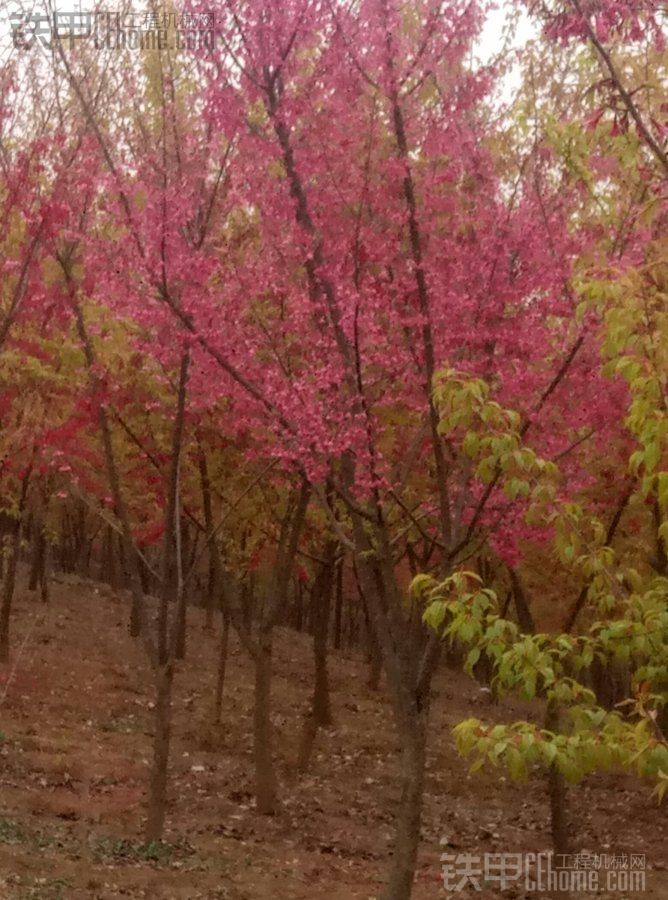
pixel 81 549
pixel 38 564
pixel 306 743
pixel 108 570
pixel 413 741
pixel 375 662
pixel 266 791
pixel 37 552
pixel 222 666
pixel 184 563
pixel 181 626
pixel 248 603
pixel 214 579
pixel 8 592
pixel 321 711
pixel 338 605
pixel 409 668
pixel 167 638
pixel 157 801
pixel 210 597
pixel 557 795
pixel 524 616
pixel 556 788
pixel 44 592
pixel 374 655
pixel 10 575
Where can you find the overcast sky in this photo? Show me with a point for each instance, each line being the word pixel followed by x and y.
pixel 491 37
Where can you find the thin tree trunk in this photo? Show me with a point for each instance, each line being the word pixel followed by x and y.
pixel 215 594
pixel 214 581
pixel 181 625
pixel 167 641
pixel 524 617
pixel 557 795
pixel 222 667
pixel 353 639
pixel 259 651
pixel 43 575
pixel 374 655
pixel 182 610
pixel 409 670
pixel 10 575
pixel 375 662
pixel 182 630
pixel 81 549
pixel 44 592
pixel 322 708
pixel 320 714
pixel 306 743
pixel 8 593
pixel 266 788
pixel 37 553
pixel 157 804
pixel 38 566
pixel 265 773
pixel 338 605
pixel 107 562
pixel 413 742
pixel 266 782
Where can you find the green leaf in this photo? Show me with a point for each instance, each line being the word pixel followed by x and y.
pixel 472 659
pixel 471 444
pixel 434 615
pixel 651 456
pixel 516 764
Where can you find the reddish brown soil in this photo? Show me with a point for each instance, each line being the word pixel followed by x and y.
pixel 75 716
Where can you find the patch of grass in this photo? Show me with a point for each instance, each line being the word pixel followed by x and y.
pixel 44 840
pixel 11 832
pixel 132 851
pixel 122 725
pixel 44 889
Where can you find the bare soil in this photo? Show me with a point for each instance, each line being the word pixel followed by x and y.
pixel 75 744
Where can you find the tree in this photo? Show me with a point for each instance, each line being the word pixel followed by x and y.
pixel 355 292
pixel 272 252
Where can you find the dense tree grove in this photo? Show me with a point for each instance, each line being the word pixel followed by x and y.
pixel 329 325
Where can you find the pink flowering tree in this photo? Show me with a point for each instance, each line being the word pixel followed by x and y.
pixel 324 243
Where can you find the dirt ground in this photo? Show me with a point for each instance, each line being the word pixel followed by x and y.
pixel 75 738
